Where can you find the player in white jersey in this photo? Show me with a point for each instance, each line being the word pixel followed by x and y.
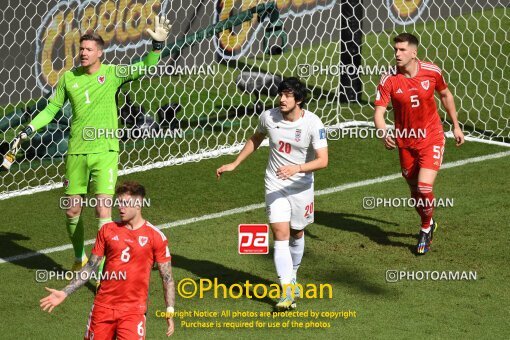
pixel 298 146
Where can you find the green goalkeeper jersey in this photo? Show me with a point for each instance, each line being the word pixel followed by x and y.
pixel 94 104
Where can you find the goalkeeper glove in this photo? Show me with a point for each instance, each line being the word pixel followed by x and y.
pixel 10 156
pixel 25 133
pixel 161 30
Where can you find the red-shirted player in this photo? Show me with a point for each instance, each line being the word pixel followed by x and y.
pixel 418 132
pixel 130 247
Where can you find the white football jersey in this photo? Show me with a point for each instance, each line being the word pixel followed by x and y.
pixel 291 143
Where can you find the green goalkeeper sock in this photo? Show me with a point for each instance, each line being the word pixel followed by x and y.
pixel 76 234
pixel 100 222
pixel 101 266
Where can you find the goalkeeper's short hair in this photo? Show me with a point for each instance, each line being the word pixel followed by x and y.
pixel 93 37
pixel 295 86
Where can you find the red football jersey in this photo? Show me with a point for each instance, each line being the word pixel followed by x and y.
pixel 130 253
pixel 413 102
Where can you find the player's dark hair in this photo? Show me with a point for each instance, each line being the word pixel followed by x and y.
pixel 131 188
pixel 296 87
pixel 406 37
pixel 93 37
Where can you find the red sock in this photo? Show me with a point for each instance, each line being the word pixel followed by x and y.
pixel 415 195
pixel 425 203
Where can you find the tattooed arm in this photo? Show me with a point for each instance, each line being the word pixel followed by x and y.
pixel 80 280
pixel 165 270
pixel 58 296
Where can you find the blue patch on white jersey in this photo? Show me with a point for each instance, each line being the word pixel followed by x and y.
pixel 322 134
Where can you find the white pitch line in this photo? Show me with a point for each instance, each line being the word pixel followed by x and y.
pixel 251 207
pixel 175 161
pixel 216 153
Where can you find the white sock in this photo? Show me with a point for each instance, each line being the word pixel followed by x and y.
pixel 283 261
pixel 297 248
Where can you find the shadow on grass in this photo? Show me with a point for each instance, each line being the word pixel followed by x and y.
pixel 10 248
pixel 368 227
pixel 205 269
pixel 362 225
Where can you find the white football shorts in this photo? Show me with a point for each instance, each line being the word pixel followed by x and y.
pixel 291 205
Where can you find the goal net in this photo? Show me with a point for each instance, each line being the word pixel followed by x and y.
pixel 223 62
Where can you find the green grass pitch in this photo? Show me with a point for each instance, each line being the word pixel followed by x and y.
pixel 348 247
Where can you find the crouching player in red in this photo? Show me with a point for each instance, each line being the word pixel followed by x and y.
pixel 419 132
pixel 130 247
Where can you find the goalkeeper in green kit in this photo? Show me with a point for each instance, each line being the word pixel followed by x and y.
pixel 93 153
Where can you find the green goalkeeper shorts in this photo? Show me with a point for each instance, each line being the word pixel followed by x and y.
pixel 94 173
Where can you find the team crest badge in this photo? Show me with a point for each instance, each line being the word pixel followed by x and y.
pixel 404 172
pixel 101 79
pixel 66 183
pixel 298 135
pixel 425 84
pixel 142 240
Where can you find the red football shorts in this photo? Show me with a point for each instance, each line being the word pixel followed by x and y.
pixel 105 323
pixel 427 154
